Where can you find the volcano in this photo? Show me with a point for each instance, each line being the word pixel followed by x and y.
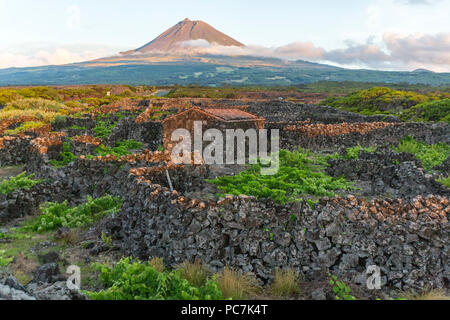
pixel 172 39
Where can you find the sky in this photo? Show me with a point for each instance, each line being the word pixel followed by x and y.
pixel 374 34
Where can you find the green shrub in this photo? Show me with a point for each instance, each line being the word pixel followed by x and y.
pixel 129 280
pixel 59 120
pixel 378 100
pixel 78 128
pixel 341 290
pixel 407 105
pixel 19 182
pixel 66 157
pixel 5 260
pixel 429 111
pixel 122 148
pixel 103 130
pixel 353 153
pixel 55 215
pixel 26 126
pixel 429 155
pixel 445 181
pixel 297 175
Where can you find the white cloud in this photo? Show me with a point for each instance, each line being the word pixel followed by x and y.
pixel 394 52
pixel 33 55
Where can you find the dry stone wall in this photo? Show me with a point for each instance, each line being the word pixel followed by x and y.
pixel 407 240
pixel 390 135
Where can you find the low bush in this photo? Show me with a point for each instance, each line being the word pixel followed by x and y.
pixel 297 175
pixel 429 111
pixel 129 280
pixel 55 215
pixel 22 181
pixel 378 100
pixel 26 126
pixel 341 290
pixel 5 260
pixel 406 105
pixel 66 157
pixel 353 153
pixel 430 155
pixel 445 181
pixel 103 130
pixel 122 148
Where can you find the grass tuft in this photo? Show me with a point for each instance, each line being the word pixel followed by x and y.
pixel 157 264
pixel 285 283
pixel 236 285
pixel 194 272
pixel 433 294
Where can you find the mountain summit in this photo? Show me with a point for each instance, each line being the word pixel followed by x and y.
pixel 187 30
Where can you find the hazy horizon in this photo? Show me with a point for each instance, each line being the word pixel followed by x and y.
pixel 374 34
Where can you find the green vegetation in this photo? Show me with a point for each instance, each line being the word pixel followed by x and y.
pixel 137 280
pixel 97 94
pixel 78 128
pixel 26 126
pixel 22 181
pixel 377 100
pixel 407 105
pixel 55 215
pixel 66 156
pixel 40 109
pixel 298 175
pixel 353 153
pixel 8 95
pixel 445 181
pixel 430 155
pixel 122 148
pixel 340 289
pixel 4 259
pixel 347 87
pixel 103 130
pixel 429 111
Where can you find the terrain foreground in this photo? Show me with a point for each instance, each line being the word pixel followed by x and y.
pixel 355 191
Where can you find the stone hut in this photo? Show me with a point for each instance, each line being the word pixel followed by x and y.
pixel 221 119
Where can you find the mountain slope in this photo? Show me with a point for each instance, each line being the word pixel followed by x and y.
pixel 206 70
pixel 187 30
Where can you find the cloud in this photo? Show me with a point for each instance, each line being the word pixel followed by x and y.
pixel 420 49
pixel 39 55
pixel 394 52
pixel 294 50
pixel 200 43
